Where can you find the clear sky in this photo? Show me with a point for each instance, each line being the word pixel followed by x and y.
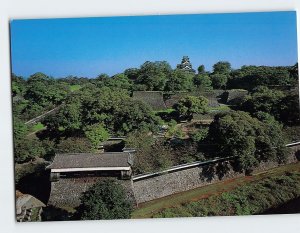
pixel 90 46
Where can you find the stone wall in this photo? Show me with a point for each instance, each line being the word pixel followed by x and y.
pixel 215 97
pixel 183 180
pixel 179 181
pixel 152 98
pixel 66 192
pixel 235 96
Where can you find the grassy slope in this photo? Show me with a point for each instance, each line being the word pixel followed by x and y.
pixel 148 209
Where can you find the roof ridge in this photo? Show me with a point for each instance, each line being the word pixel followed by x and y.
pixel 94 153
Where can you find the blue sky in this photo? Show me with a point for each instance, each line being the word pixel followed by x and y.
pixel 91 46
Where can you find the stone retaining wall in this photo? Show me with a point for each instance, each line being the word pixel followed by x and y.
pixel 179 181
pixel 66 192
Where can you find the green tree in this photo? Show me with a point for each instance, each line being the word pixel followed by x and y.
pixel 270 144
pixel 19 128
pixel 151 155
pixel 249 77
pixel 113 108
pixel 289 112
pixel 263 99
pixel 96 134
pixel 74 145
pixel 134 115
pixel 219 80
pixel 179 81
pixel 102 77
pixel 154 75
pixel 28 149
pixel 201 69
pixel 18 85
pixel 120 81
pixel 44 90
pixel 238 134
pixel 105 200
pixel 222 67
pixel 190 105
pixel 132 73
pixel 203 82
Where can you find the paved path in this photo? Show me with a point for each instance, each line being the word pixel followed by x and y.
pixel 38 118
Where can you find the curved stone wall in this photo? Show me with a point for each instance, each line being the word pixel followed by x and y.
pixel 190 178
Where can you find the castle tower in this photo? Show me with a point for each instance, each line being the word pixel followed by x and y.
pixel 186 65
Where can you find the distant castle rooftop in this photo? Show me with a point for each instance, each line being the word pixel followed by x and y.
pixel 186 65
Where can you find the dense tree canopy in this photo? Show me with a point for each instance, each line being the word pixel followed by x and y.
pixel 96 133
pixel 249 77
pixel 74 145
pixel 104 200
pixel 28 149
pixel 114 109
pixel 219 80
pixel 201 69
pixel 18 85
pixel 179 81
pixel 222 67
pixel 103 106
pixel 263 99
pixel 190 105
pixel 203 82
pixel 43 90
pixel 238 134
pixel 153 75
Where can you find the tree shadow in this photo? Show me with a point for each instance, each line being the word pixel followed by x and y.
pixel 36 184
pixel 222 98
pixel 51 213
pixel 208 172
pixel 297 154
pixel 222 169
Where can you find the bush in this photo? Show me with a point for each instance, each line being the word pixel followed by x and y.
pixel 28 149
pixel 190 105
pixel 74 145
pixel 104 200
pixel 151 155
pixel 96 134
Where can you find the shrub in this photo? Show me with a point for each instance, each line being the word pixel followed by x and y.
pixel 104 200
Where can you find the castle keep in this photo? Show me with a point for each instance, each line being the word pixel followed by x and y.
pixel 186 65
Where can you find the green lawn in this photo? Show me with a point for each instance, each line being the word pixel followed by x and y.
pixel 220 108
pixel 148 209
pixel 168 110
pixel 75 87
pixel 37 127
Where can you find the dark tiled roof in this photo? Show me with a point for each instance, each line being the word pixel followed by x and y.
pixel 27 201
pixel 88 160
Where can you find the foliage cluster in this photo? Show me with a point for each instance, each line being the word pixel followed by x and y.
pixel 250 139
pixel 254 198
pixel 106 199
pixel 113 109
pixel 151 154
